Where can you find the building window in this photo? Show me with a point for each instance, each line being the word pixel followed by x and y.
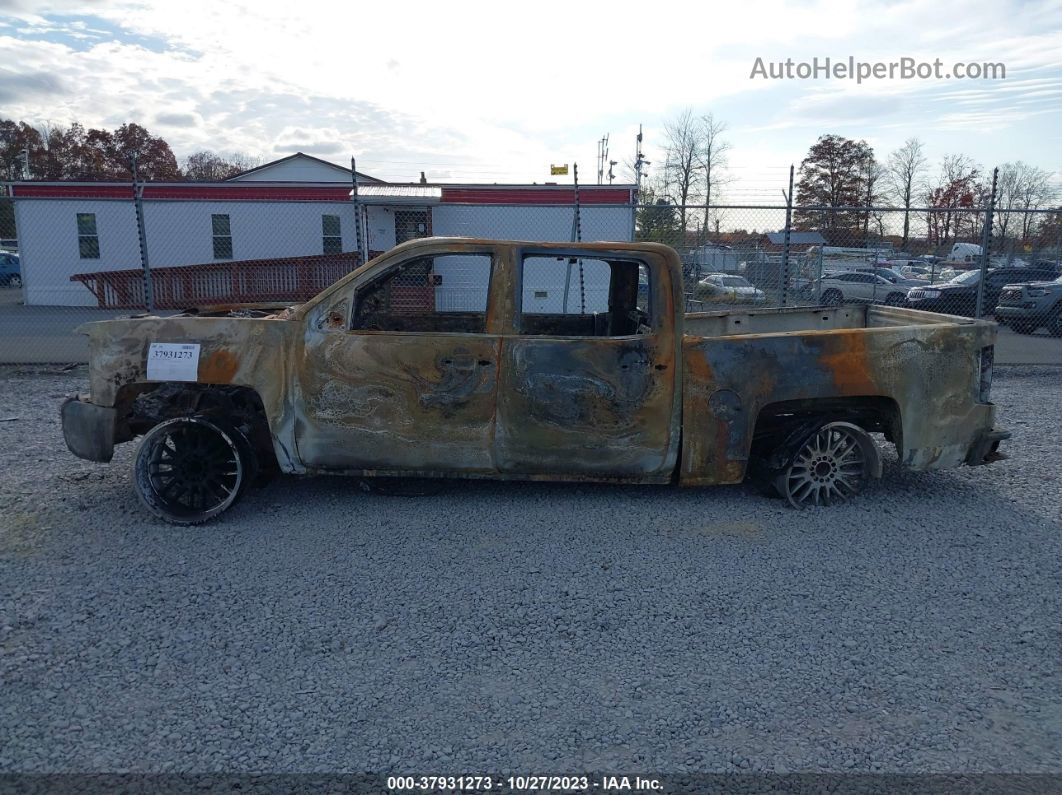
pixel 331 238
pixel 88 241
pixel 222 236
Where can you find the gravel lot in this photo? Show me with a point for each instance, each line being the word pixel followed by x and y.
pixel 531 627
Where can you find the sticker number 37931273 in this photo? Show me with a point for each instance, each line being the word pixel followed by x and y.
pixel 173 361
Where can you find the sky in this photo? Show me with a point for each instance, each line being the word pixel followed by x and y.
pixel 496 92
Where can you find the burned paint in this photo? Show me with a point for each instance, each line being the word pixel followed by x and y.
pixel 219 367
pixel 547 406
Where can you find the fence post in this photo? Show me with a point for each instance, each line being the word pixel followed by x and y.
pixel 986 243
pixel 363 256
pixel 785 244
pixel 138 204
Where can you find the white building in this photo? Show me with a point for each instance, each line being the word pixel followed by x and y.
pixel 297 207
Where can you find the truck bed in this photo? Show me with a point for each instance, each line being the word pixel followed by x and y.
pixel 928 372
pixel 775 321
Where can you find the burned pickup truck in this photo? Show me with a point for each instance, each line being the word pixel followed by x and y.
pixel 464 358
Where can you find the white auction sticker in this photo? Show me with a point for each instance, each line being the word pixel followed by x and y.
pixel 173 361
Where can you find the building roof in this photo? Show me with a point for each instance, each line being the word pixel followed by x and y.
pixel 797 238
pixel 260 172
pixel 400 194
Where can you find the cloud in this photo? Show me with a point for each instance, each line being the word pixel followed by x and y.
pixel 440 96
pixel 177 119
pixel 29 85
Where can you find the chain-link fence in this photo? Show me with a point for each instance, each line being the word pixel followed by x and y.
pixel 97 251
pixel 939 261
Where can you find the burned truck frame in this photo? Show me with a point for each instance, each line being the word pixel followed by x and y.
pixel 520 360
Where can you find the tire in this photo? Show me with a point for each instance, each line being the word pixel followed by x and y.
pixel 833 463
pixel 15 281
pixel 189 470
pixel 895 299
pixel 1024 326
pixel 832 298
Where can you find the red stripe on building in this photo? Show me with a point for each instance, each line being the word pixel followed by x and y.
pixel 482 195
pixel 45 191
pixel 532 195
pixel 275 193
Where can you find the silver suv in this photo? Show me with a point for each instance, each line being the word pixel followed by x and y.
pixel 1027 307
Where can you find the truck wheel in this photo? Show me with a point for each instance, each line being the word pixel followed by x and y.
pixel 834 462
pixel 15 281
pixel 832 298
pixel 190 469
pixel 1023 326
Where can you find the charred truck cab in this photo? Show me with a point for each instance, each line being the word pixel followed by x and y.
pixel 518 360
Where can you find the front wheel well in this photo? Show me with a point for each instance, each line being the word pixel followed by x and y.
pixel 142 406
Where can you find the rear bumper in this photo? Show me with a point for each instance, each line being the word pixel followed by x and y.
pixel 89 429
pixel 985 449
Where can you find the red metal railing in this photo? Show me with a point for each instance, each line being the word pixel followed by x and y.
pixel 242 281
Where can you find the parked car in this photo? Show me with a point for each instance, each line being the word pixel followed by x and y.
pixel 1027 307
pixel 893 276
pixel 726 288
pixel 920 272
pixel 858 287
pixel 371 378
pixel 959 296
pixel 10 270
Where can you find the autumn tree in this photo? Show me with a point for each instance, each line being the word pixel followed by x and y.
pixel 904 173
pixel 954 197
pixel 77 153
pixel 835 175
pixel 15 137
pixel 210 166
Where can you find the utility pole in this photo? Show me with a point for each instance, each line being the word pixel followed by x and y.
pixel 602 158
pixel 639 162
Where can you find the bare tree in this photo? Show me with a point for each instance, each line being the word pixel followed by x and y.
pixel 682 177
pixel 713 161
pixel 904 171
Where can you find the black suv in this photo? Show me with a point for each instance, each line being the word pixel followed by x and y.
pixel 959 296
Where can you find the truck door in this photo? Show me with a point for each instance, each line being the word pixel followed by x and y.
pixel 406 378
pixel 588 372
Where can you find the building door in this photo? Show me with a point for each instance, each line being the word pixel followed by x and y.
pixel 411 224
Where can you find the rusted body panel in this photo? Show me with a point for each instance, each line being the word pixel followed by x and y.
pixel 929 370
pixel 678 400
pixel 248 352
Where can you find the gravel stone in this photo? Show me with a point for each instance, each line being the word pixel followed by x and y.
pixel 532 627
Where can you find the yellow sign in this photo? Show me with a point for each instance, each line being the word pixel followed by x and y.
pixel 554 170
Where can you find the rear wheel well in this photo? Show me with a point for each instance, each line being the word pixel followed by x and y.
pixel 143 406
pixel 778 422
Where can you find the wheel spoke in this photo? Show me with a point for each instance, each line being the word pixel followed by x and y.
pixel 830 468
